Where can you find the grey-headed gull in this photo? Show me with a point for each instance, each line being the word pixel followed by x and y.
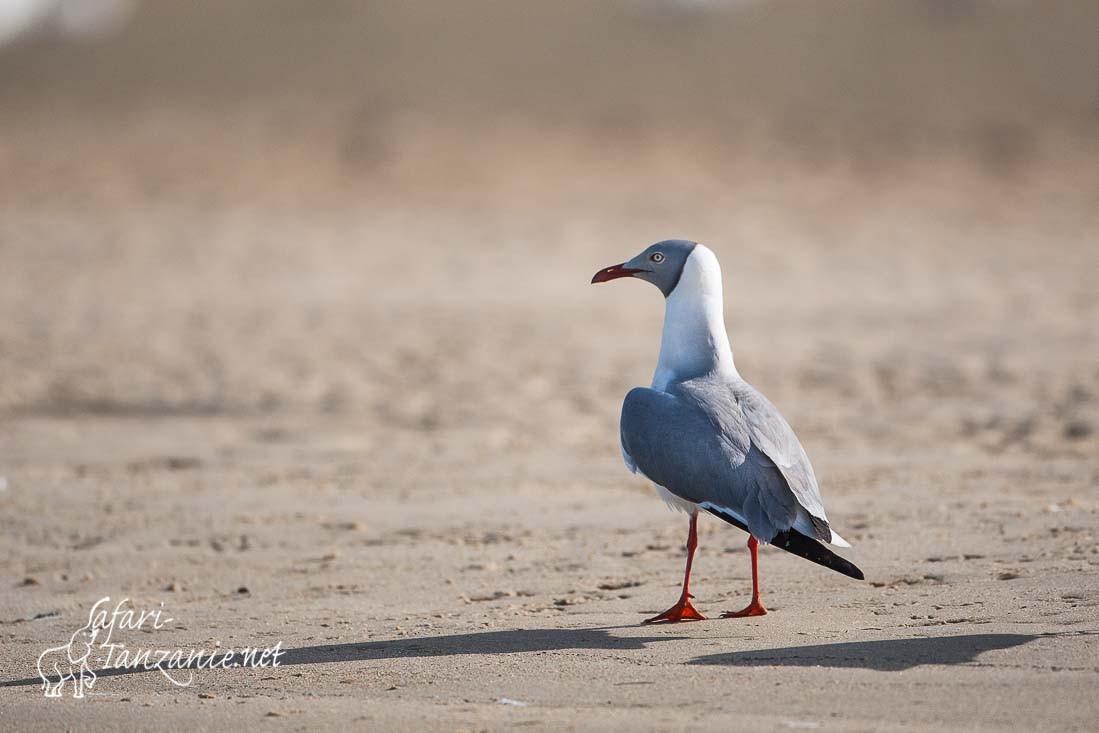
pixel 707 438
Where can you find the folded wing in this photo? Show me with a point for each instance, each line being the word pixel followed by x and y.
pixel 725 446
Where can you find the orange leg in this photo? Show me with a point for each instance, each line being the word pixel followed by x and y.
pixel 683 610
pixel 755 608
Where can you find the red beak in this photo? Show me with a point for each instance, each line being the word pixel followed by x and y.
pixel 613 273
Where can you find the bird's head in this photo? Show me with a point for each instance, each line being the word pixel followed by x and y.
pixel 660 264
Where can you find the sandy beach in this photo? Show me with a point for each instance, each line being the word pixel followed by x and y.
pixel 311 359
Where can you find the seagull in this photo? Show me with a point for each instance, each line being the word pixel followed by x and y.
pixel 709 440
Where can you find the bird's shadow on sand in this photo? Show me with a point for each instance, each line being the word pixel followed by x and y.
pixel 517 641
pixel 885 655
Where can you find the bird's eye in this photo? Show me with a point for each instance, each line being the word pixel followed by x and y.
pixel 656 257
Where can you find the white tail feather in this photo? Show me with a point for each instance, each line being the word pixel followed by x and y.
pixel 838 541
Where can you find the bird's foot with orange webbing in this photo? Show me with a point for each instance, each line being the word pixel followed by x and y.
pixel 755 608
pixel 682 611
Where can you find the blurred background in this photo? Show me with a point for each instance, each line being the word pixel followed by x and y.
pixel 296 333
pixel 391 210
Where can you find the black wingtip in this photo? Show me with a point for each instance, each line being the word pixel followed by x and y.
pixel 795 542
pixel 798 544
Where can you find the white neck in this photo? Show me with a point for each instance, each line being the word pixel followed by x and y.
pixel 694 341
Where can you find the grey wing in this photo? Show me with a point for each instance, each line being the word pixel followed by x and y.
pixel 712 463
pixel 776 439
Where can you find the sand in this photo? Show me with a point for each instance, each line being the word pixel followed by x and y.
pixel 309 378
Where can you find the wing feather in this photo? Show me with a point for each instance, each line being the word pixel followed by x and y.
pixel 722 442
pixel 684 449
pixel 776 439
